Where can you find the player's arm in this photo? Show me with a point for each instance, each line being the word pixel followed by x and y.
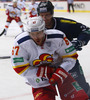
pixel 7 10
pixel 80 33
pixel 83 36
pixel 20 61
pixel 68 53
pixel 30 10
pixel 24 6
pixel 63 79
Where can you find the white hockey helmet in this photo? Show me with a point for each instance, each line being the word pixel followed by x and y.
pixel 35 24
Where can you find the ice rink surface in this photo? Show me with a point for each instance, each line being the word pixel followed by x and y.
pixel 12 86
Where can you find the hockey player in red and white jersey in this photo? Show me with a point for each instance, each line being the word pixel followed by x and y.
pixel 22 6
pixel 43 58
pixel 33 8
pixel 13 13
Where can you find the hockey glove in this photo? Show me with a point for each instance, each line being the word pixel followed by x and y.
pixel 58 77
pixel 78 44
pixel 45 71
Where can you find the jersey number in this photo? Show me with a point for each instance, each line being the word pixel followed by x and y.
pixel 15 50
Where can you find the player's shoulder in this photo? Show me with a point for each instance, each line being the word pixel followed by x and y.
pixel 22 37
pixel 18 8
pixel 10 5
pixel 65 20
pixel 36 3
pixel 54 33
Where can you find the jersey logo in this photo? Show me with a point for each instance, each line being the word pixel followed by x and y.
pixel 13 12
pixel 44 60
pixel 70 49
pixel 76 86
pixel 16 60
pixel 33 9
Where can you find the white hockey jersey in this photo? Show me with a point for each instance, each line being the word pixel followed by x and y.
pixel 33 8
pixel 27 55
pixel 21 4
pixel 13 12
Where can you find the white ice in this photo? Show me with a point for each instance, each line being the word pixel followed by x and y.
pixel 12 86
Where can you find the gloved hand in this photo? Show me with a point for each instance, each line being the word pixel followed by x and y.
pixel 58 77
pixel 45 71
pixel 78 44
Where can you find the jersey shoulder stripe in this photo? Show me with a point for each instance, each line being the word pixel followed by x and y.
pixel 10 5
pixel 49 36
pixel 65 20
pixel 24 39
pixel 18 8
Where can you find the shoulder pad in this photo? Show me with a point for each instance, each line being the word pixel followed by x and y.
pixel 49 36
pixel 67 21
pixel 53 33
pixel 10 5
pixel 22 37
pixel 18 8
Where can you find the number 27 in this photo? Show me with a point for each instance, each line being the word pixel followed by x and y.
pixel 15 50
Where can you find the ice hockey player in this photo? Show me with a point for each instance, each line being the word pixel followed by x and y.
pixel 21 4
pixel 13 13
pixel 43 58
pixel 33 9
pixel 73 30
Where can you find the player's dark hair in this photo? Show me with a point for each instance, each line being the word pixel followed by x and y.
pixel 45 7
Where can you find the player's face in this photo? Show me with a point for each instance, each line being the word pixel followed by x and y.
pixel 32 1
pixel 15 4
pixel 47 17
pixel 38 37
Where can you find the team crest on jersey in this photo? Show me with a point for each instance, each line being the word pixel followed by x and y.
pixel 13 12
pixel 44 60
pixel 33 9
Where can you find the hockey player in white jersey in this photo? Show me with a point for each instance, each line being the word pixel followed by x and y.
pixel 21 4
pixel 33 8
pixel 43 58
pixel 13 13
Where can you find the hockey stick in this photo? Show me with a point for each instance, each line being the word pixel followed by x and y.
pixel 2 32
pixel 5 30
pixel 5 57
